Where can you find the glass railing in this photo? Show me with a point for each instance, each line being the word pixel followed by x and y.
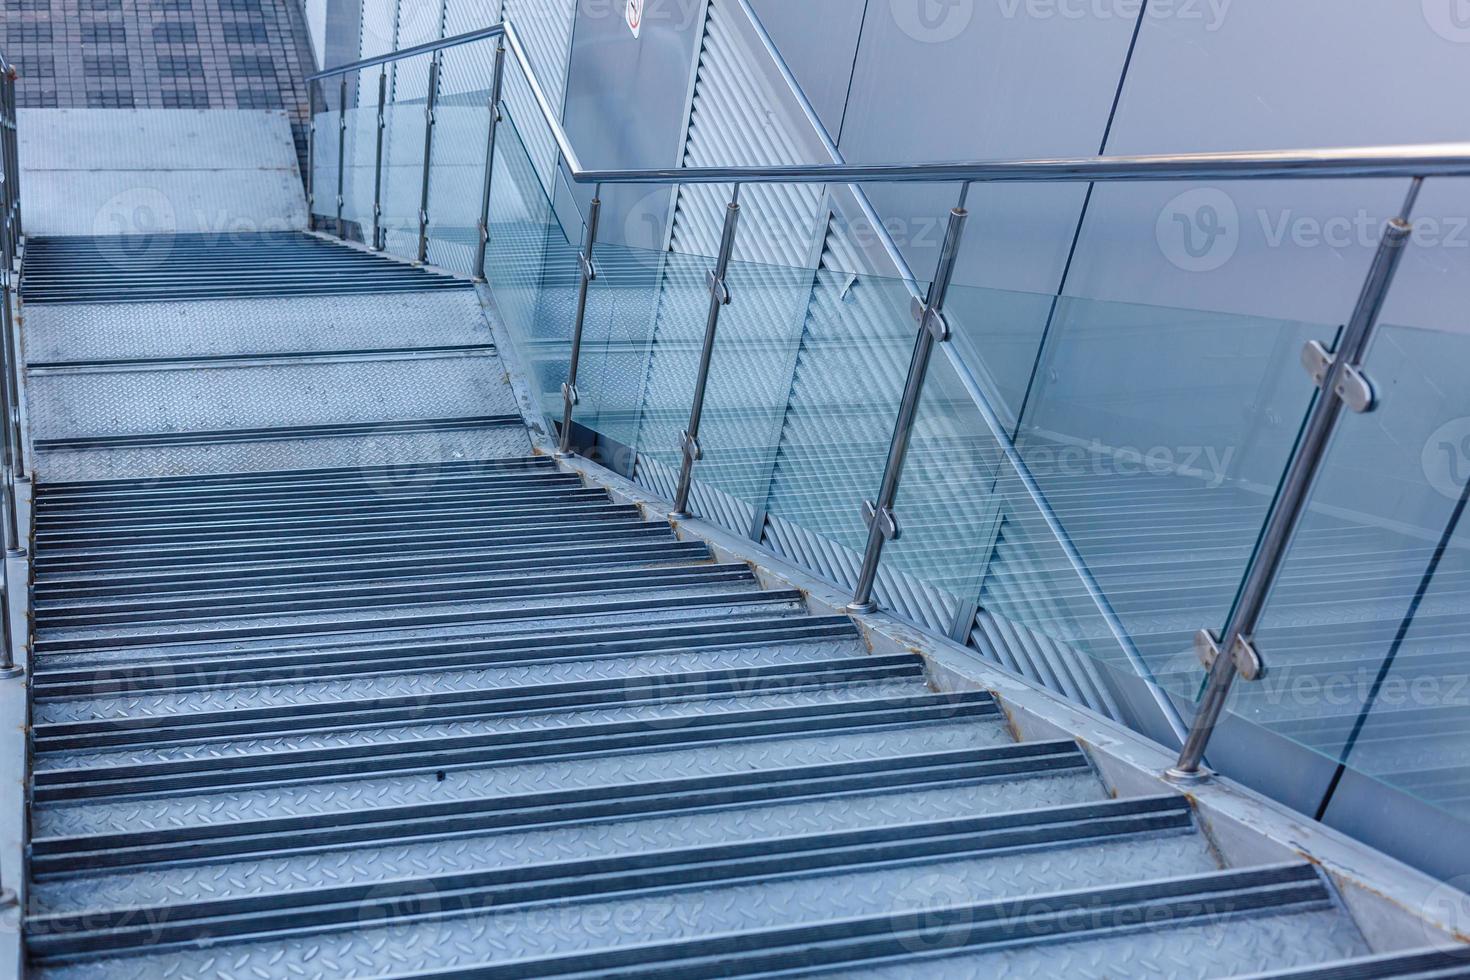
pixel 1034 475
pixel 1366 634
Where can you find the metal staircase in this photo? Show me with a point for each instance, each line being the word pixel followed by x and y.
pixel 328 665
pixel 460 713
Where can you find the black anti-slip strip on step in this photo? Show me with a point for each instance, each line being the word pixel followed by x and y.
pixel 406 621
pixel 95 490
pixel 449 706
pixel 418 596
pixel 495 749
pixel 56 937
pixel 655 799
pixel 1427 964
pixel 226 436
pixel 912 940
pixel 318 662
pixel 61 593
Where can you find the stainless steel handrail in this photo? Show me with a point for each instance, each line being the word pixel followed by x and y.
pixel 428 47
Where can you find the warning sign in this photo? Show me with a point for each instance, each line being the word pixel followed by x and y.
pixel 635 16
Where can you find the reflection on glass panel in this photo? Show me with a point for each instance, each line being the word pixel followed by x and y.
pixel 532 265
pixel 848 377
pixel 360 148
pixel 1158 437
pixel 751 375
pixel 1366 634
pixel 403 155
pixel 325 155
pixel 457 177
pixel 618 338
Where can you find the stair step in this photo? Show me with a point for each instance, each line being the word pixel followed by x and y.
pixel 403 622
pixel 58 591
pixel 311 758
pixel 160 540
pixel 489 831
pixel 255 326
pixel 424 589
pixel 1090 932
pixel 318 662
pixel 759 884
pixel 294 505
pixel 407 540
pixel 413 444
pixel 237 403
pixel 323 715
pixel 159 491
pixel 230 267
pixel 334 781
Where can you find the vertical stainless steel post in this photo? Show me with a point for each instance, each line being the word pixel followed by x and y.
pixel 10 449
pixel 878 514
pixel 495 87
pixel 719 297
pixel 377 242
pixel 589 273
pixel 429 103
pixel 311 89
pixel 341 155
pixel 9 350
pixel 12 170
pixel 1341 380
pixel 8 668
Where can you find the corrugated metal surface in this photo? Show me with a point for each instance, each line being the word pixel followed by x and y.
pixel 735 121
pixel 844 393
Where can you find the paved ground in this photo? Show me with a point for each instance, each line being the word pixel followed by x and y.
pixel 174 54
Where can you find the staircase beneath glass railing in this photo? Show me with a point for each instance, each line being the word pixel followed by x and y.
pixel 1071 505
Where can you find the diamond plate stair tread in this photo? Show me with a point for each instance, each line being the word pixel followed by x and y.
pixel 376 633
pixel 255 326
pixel 531 608
pixel 209 399
pixel 510 934
pixel 659 715
pixel 144 462
pixel 1224 948
pixel 428 681
pixel 329 797
pixel 343 866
